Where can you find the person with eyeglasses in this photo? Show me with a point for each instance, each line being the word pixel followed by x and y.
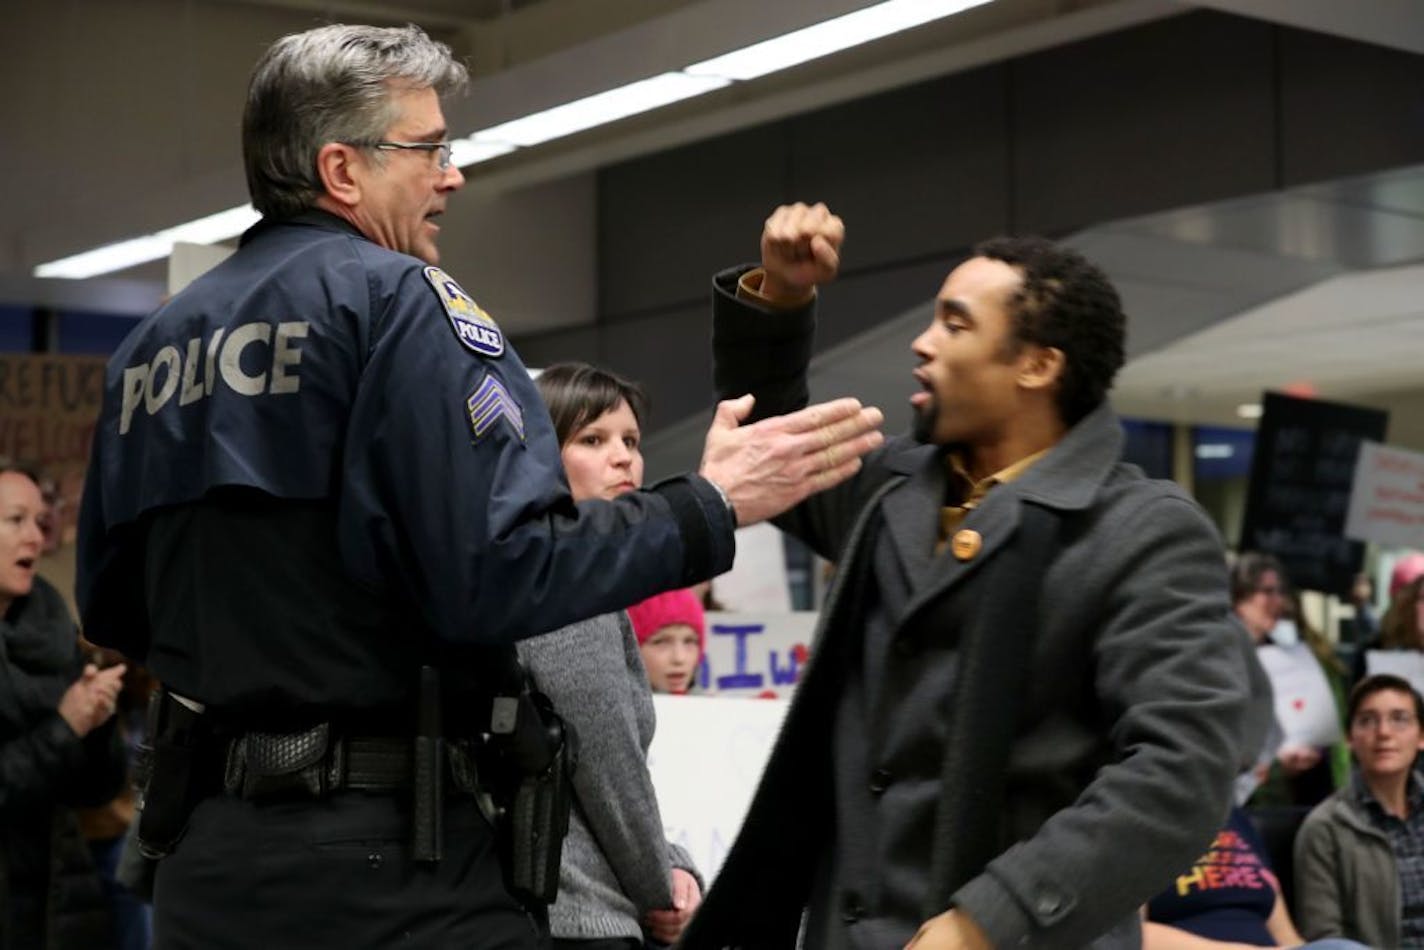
pixel 325 500
pixel 1359 856
pixel 1289 773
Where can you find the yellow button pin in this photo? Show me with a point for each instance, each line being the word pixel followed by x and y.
pixel 966 544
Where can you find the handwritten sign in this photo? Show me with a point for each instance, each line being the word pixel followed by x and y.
pixel 706 759
pixel 755 654
pixel 1301 476
pixel 1305 707
pixel 48 407
pixel 1387 503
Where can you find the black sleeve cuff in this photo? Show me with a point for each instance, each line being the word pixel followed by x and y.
pixel 766 352
pixel 706 523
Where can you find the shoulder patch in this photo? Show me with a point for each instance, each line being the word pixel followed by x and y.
pixel 491 402
pixel 474 328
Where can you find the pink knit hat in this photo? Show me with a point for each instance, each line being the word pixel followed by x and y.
pixel 1406 569
pixel 675 606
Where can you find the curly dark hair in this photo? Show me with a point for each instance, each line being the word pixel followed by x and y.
pixel 1068 303
pixel 577 394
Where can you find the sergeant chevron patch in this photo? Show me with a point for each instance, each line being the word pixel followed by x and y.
pixel 491 402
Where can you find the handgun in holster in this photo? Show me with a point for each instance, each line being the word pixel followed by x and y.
pixel 167 792
pixel 543 752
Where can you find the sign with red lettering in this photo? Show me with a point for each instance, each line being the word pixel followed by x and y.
pixel 1387 503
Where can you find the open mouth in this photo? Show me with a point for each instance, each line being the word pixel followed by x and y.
pixel 925 394
pixel 28 563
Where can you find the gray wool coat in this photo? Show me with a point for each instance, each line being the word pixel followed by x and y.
pixel 617 861
pixel 1134 711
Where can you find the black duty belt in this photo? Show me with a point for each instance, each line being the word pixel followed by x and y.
pixel 316 762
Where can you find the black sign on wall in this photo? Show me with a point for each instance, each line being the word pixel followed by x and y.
pixel 1301 476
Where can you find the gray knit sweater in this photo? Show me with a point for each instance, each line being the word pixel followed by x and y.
pixel 617 862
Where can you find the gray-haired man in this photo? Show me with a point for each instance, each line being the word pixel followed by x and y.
pixel 325 497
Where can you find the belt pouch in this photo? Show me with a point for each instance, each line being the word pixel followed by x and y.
pixel 264 764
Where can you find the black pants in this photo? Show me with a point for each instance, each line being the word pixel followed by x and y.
pixel 333 873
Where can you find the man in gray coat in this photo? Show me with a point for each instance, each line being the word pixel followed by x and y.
pixel 1026 701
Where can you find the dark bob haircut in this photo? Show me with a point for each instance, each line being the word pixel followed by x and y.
pixel 577 394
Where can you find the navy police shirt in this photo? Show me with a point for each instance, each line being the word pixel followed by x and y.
pixel 321 458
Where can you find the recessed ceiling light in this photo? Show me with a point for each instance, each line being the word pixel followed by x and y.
pixel 1249 410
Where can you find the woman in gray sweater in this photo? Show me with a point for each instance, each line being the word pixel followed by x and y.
pixel 621 880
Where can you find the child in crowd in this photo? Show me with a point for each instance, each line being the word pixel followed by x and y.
pixel 672 636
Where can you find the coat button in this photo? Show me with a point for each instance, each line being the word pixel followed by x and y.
pixel 1048 905
pixel 880 780
pixel 966 544
pixel 375 859
pixel 852 909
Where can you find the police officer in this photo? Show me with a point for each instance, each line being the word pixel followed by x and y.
pixel 321 468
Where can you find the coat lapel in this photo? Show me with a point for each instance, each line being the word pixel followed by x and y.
pixel 911 514
pixel 996 519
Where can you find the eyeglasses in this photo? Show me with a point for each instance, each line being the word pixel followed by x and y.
pixel 1397 719
pixel 443 148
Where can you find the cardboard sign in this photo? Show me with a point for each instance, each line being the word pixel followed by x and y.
pixel 48 407
pixel 755 654
pixel 1387 502
pixel 706 758
pixel 1305 707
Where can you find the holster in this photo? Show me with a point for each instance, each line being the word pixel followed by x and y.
pixel 167 789
pixel 544 751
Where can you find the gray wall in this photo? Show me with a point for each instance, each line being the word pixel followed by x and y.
pixel 1196 108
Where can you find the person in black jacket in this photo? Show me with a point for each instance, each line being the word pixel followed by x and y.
pixel 58 747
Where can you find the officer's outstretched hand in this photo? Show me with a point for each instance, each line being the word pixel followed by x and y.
pixel 800 248
pixel 768 466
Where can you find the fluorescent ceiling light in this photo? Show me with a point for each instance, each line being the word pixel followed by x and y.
pixel 215 227
pixel 1215 450
pixel 812 42
pixel 1249 410
pixel 109 258
pixel 600 109
pixel 467 152
pixel 151 247
pixel 830 36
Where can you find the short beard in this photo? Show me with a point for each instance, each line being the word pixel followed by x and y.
pixel 922 426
